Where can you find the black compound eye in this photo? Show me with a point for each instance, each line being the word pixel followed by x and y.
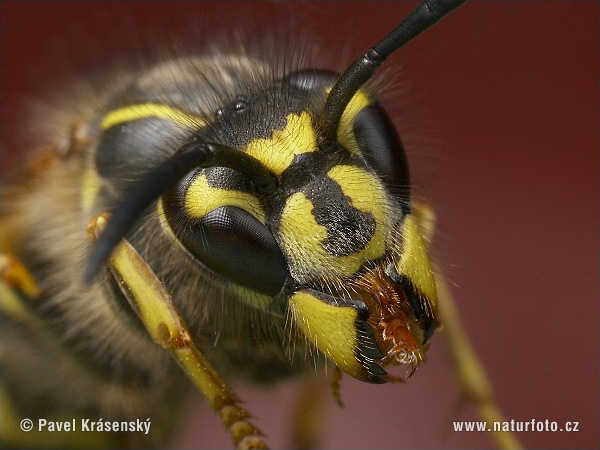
pixel 382 148
pixel 310 80
pixel 231 242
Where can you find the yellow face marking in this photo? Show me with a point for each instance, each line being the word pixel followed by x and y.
pixel 368 195
pixel 331 329
pixel 345 131
pixel 302 236
pixel 201 198
pixel 135 112
pixel 278 152
pixel 253 299
pixel 414 262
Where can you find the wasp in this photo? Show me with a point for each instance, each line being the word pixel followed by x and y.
pixel 217 214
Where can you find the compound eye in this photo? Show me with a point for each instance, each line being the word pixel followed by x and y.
pixel 231 242
pixel 310 80
pixel 382 148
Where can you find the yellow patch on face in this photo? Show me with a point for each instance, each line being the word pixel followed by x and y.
pixel 201 198
pixel 332 329
pixel 366 194
pixel 302 237
pixel 414 262
pixel 143 111
pixel 254 299
pixel 345 131
pixel 278 152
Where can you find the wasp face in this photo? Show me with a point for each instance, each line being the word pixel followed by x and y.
pixel 335 245
pixel 259 217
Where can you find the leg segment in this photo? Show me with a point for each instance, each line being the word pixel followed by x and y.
pixel 16 275
pixel 155 309
pixel 471 376
pixel 308 417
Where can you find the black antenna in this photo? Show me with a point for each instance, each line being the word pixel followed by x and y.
pixel 162 178
pixel 420 19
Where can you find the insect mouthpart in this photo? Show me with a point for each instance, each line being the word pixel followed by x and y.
pixel 401 330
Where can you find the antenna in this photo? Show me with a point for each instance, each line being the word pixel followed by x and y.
pixel 428 13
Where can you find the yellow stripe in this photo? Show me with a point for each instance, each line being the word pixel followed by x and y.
pixel 278 152
pixel 345 131
pixel 135 112
pixel 302 237
pixel 367 194
pixel 414 262
pixel 200 199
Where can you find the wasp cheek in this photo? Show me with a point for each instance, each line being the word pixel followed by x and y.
pixel 412 273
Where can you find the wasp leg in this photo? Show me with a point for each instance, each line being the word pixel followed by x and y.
pixel 473 381
pixel 155 309
pixel 309 412
pixel 16 275
pixel 308 417
pixel 336 387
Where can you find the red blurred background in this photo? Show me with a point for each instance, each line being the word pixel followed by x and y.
pixel 500 112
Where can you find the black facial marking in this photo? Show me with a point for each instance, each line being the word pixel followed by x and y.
pixel 348 229
pixel 228 179
pixel 255 115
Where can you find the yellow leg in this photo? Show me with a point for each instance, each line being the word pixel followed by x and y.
pixel 308 417
pixel 14 273
pixel 155 308
pixel 470 374
pixel 336 387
